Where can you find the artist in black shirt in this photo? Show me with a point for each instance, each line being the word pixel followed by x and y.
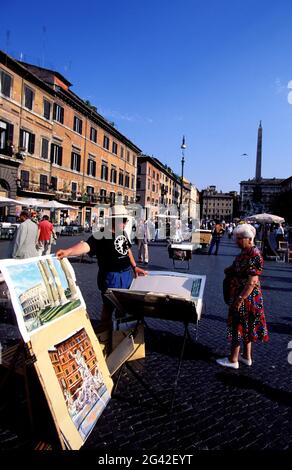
pixel 114 256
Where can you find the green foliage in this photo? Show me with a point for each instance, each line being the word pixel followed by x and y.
pixel 282 206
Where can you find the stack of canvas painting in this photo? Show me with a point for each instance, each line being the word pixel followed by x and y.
pixel 51 316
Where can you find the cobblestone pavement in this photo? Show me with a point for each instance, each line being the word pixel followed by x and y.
pixel 218 409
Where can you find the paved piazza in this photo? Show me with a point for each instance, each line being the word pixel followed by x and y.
pixel 218 409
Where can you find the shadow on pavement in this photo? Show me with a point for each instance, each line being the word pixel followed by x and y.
pixel 170 344
pixel 248 383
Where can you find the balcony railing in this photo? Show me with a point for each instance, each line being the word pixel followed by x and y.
pixel 34 187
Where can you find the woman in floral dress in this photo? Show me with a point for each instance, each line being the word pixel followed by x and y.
pixel 246 318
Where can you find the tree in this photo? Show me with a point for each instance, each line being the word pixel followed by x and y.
pixel 282 206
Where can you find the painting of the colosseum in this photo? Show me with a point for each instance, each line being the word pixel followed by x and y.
pixel 42 290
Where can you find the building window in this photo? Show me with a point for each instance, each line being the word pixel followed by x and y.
pixel 47 109
pixel 58 113
pixel 138 169
pixel 24 178
pixel 45 149
pixel 56 154
pixel 77 125
pixel 121 178
pixel 104 172
pixel 132 181
pixel 126 199
pixel 43 182
pixel 74 187
pixel 90 192
pixel 93 134
pixel 105 142
pixel 5 83
pixel 112 197
pixel 75 161
pixel 128 156
pixel 28 97
pixel 6 138
pixel 127 180
pixel 26 141
pixel 122 153
pixel 102 195
pixel 91 167
pixel 115 148
pixel 148 185
pixel 138 183
pixel 54 183
pixel 113 175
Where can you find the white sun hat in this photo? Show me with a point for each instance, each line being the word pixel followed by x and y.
pixel 118 211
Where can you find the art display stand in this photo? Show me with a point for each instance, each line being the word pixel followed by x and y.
pixel 59 352
pixel 164 296
pixel 140 323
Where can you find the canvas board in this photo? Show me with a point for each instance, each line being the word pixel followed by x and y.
pixel 74 376
pixel 186 286
pixel 161 294
pixel 69 360
pixel 43 290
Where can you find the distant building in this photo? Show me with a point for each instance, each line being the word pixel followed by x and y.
pixel 158 185
pixel 191 198
pixel 257 194
pixel 53 144
pixel 216 205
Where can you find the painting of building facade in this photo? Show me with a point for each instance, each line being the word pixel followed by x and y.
pixel 81 381
pixel 42 290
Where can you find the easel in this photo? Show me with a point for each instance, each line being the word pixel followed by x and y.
pixel 186 334
pixel 134 373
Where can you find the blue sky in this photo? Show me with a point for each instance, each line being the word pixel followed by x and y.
pixel 25 276
pixel 163 68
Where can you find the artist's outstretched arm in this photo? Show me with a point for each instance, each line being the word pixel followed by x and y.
pixel 80 248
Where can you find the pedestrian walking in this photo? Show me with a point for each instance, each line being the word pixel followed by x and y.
pixel 246 319
pixel 114 256
pixel 230 231
pixel 46 236
pixel 25 244
pixel 143 236
pixel 216 237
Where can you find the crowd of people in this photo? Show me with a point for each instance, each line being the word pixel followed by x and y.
pixel 117 266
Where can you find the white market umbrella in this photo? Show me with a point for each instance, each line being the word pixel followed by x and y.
pixel 266 219
pixel 30 201
pixel 56 205
pixel 6 201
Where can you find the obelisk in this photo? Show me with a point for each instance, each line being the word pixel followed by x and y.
pixel 258 175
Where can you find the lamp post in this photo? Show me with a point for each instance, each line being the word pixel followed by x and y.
pixel 183 147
